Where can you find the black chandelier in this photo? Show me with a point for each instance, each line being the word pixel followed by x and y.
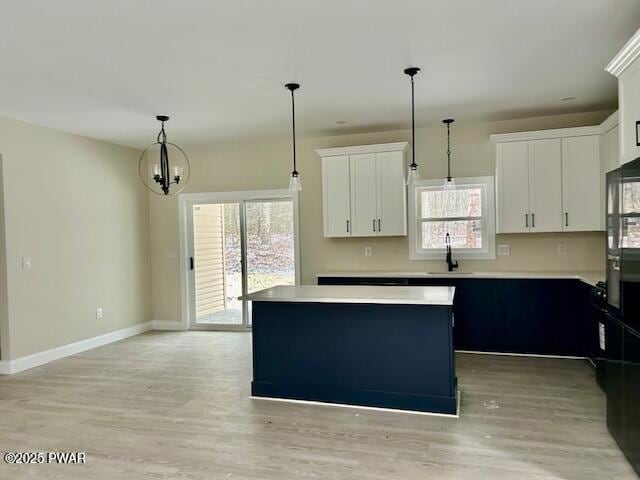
pixel 161 176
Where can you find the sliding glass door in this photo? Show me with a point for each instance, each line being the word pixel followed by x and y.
pixel 238 244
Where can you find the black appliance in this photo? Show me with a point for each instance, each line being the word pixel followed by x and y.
pixel 618 354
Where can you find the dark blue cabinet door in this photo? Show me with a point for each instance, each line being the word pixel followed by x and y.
pixel 477 315
pixel 540 316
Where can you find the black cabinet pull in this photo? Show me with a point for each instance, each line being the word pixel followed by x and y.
pixel 374 224
pixel 347 226
pixel 533 220
pixel 566 219
pixel 526 220
pixel 190 263
pixel 379 226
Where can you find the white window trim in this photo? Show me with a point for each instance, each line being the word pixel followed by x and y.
pixel 488 252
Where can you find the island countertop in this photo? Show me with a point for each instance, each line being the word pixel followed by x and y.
pixel 355 294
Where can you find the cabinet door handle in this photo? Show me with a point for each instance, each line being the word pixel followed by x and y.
pixel 347 226
pixel 533 220
pixel 526 220
pixel 374 224
pixel 191 263
pixel 379 225
pixel 566 219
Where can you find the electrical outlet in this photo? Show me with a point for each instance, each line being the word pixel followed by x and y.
pixel 562 249
pixel 98 313
pixel 26 263
pixel 367 251
pixel 504 250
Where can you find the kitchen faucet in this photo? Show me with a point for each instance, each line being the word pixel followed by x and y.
pixel 450 263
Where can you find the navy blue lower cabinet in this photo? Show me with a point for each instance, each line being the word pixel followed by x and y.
pixel 538 316
pixel 389 356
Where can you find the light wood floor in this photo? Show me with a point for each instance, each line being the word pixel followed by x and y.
pixel 176 406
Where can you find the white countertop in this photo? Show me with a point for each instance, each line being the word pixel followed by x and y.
pixel 355 294
pixel 588 277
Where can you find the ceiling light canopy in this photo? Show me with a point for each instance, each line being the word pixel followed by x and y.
pixel 160 173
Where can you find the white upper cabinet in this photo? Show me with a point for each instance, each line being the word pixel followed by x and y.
pixel 336 196
pixel 363 190
pixel 545 185
pixel 626 66
pixel 512 187
pixel 581 184
pixel 549 180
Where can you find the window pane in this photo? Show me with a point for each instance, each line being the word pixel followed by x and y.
pixel 465 202
pixel 463 233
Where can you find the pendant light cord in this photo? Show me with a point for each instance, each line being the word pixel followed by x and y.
pixel 448 152
pixel 414 166
pixel 293 129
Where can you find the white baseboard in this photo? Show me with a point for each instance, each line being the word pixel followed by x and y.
pixel 536 355
pixel 23 363
pixel 168 325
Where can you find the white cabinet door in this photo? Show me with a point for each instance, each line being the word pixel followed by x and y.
pixel 336 197
pixel 581 184
pixel 545 185
pixel 629 100
pixel 364 214
pixel 512 182
pixel 392 195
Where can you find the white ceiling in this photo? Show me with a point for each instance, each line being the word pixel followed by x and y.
pixel 104 69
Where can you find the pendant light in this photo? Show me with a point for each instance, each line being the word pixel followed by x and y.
pixel 449 183
pixel 414 175
pixel 159 173
pixel 294 182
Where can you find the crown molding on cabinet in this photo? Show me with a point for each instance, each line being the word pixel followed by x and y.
pixel 546 134
pixel 377 148
pixel 625 57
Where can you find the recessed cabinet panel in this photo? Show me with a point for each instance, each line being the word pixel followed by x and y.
pixel 581 184
pixel 392 198
pixel 545 185
pixel 513 187
pixel 336 196
pixel 363 194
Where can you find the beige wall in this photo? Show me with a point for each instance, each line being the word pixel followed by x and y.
pixel 254 166
pixel 77 207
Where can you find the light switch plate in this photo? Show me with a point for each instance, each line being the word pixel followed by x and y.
pixel 99 313
pixel 368 251
pixel 562 249
pixel 504 250
pixel 26 263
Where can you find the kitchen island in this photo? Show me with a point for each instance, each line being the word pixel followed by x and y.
pixel 370 346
